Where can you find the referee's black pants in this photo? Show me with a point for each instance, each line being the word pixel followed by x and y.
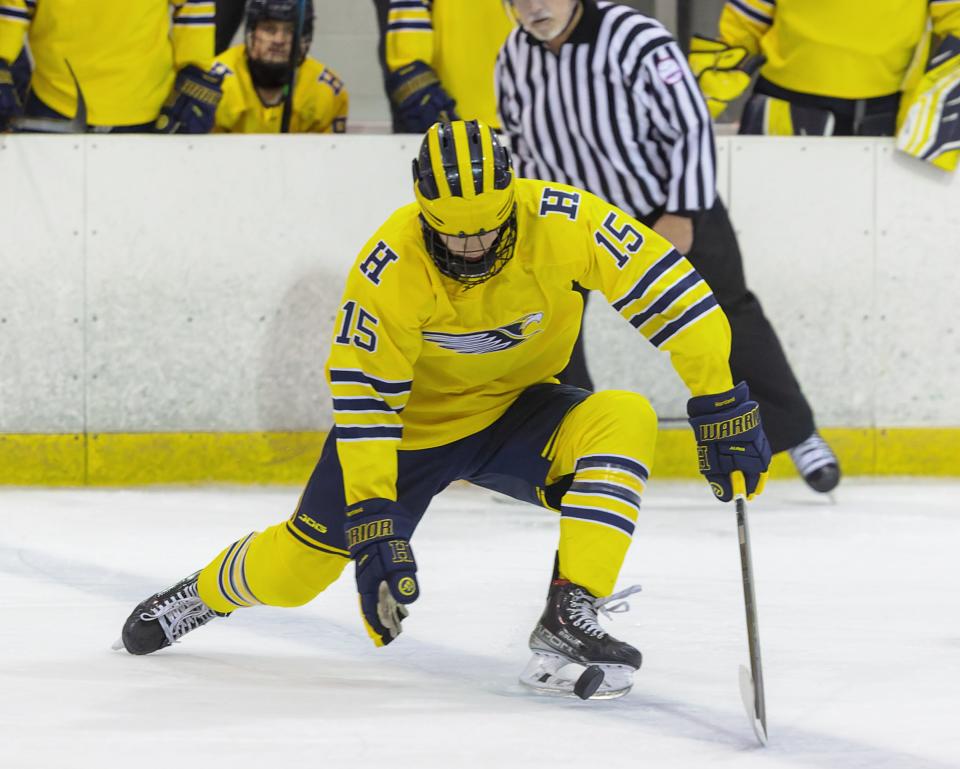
pixel 756 355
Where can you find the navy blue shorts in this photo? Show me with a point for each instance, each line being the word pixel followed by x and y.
pixel 506 457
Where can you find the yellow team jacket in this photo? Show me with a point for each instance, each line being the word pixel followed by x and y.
pixel 125 54
pixel 847 49
pixel 320 100
pixel 418 361
pixel 460 39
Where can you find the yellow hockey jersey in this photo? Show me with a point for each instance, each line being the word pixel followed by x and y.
pixel 847 49
pixel 460 39
pixel 320 100
pixel 418 360
pixel 125 54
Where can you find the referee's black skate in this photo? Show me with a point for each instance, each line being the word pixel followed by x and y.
pixel 572 654
pixel 816 463
pixel 165 617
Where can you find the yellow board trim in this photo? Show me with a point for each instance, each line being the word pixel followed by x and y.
pixel 131 459
pixel 927 451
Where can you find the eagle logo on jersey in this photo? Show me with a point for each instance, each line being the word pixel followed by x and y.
pixel 494 340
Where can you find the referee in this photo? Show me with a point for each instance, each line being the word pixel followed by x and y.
pixel 597 95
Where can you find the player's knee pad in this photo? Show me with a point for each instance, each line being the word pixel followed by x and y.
pixel 608 422
pixel 272 567
pixel 624 412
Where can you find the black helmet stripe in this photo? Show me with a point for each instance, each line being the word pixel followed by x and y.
pixel 475 142
pixel 448 159
pixel 423 175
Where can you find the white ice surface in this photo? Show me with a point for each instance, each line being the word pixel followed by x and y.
pixel 859 607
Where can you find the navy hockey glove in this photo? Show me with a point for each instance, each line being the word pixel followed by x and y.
pixel 731 445
pixel 192 105
pixel 419 97
pixel 378 536
pixel 9 100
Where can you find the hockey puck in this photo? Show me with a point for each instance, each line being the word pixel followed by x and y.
pixel 588 682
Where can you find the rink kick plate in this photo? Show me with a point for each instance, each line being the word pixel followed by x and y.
pixel 132 459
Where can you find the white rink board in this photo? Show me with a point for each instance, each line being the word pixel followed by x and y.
pixel 918 293
pixel 224 273
pixel 200 286
pixel 41 284
pixel 804 217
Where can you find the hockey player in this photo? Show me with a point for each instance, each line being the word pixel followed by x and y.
pixel 255 73
pixel 438 57
pixel 828 68
pixel 454 318
pixel 135 66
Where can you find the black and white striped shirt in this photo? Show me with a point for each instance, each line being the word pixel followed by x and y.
pixel 617 112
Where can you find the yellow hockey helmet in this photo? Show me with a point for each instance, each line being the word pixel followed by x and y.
pixel 464 183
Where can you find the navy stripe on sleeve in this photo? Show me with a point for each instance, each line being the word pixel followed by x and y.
pixel 746 10
pixel 193 21
pixel 655 270
pixel 372 433
pixel 700 308
pixel 363 405
pixel 394 26
pixel 15 13
pixel 666 299
pixel 382 386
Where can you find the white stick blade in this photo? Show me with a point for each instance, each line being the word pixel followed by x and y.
pixel 748 695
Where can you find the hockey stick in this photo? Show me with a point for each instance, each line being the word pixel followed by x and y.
pixel 751 681
pixel 75 125
pixel 294 62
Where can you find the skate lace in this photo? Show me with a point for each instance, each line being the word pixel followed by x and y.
pixel 584 608
pixel 812 454
pixel 180 613
pixel 607 605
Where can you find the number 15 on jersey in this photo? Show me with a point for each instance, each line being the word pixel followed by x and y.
pixel 358 327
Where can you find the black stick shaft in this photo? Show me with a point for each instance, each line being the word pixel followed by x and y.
pixel 293 64
pixel 750 603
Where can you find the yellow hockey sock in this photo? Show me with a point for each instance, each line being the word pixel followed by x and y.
pixel 275 567
pixel 608 443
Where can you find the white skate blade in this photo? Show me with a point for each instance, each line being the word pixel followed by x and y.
pixel 553 675
pixel 749 703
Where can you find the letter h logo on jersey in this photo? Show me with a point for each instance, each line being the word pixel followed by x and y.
pixel 560 202
pixel 377 261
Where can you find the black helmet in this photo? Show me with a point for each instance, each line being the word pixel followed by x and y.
pixel 272 74
pixel 280 10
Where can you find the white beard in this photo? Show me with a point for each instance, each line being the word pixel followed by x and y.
pixel 558 25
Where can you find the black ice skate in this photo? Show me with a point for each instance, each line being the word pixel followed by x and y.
pixel 816 462
pixel 165 617
pixel 572 654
